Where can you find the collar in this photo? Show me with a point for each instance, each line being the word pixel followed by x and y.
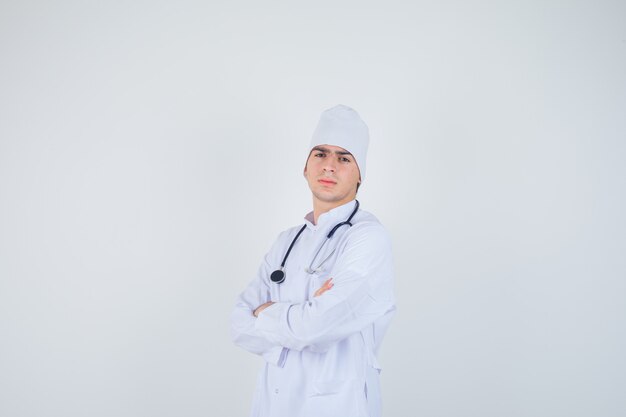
pixel 330 218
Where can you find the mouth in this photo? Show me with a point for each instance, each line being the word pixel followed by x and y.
pixel 326 181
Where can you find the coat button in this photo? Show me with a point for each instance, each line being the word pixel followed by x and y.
pixel 276 390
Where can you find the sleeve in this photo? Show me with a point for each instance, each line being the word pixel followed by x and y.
pixel 243 331
pixel 362 293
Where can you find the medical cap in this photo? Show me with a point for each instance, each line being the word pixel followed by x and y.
pixel 342 126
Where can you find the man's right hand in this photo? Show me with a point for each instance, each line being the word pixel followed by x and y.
pixel 325 287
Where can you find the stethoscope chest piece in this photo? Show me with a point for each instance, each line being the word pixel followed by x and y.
pixel 278 276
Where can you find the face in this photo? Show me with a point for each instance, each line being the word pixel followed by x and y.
pixel 332 174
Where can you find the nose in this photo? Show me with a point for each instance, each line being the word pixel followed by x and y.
pixel 329 165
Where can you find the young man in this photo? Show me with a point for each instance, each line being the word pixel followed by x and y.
pixel 322 299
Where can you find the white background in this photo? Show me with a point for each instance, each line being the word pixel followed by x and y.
pixel 151 151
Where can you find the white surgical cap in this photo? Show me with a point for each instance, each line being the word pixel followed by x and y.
pixel 342 126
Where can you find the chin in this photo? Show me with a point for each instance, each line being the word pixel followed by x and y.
pixel 328 197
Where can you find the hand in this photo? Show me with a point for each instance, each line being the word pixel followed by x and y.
pixel 261 308
pixel 325 287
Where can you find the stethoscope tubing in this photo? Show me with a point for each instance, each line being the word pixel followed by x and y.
pixel 278 276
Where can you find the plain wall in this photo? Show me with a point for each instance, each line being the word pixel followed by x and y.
pixel 150 153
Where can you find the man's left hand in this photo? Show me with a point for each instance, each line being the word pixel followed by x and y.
pixel 261 308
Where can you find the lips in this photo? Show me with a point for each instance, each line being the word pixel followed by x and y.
pixel 327 181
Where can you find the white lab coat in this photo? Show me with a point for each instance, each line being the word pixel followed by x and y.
pixel 320 352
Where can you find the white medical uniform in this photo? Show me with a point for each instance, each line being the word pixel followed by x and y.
pixel 320 352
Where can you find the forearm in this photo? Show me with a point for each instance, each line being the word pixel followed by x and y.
pixel 243 332
pixel 319 323
pixel 245 335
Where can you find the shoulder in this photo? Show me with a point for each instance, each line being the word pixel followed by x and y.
pixel 286 236
pixel 289 233
pixel 368 223
pixel 366 227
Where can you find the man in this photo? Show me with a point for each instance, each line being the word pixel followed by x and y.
pixel 322 299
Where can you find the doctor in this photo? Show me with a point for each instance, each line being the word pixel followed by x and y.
pixel 322 299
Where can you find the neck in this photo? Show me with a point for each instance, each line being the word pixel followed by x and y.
pixel 320 207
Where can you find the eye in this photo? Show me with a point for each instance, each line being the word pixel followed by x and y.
pixel 319 154
pixel 344 159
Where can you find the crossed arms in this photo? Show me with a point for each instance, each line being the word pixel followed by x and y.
pixel 327 285
pixel 361 293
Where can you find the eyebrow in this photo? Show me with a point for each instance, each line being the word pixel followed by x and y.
pixel 326 150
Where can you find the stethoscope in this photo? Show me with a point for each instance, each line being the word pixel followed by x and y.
pixel 278 276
